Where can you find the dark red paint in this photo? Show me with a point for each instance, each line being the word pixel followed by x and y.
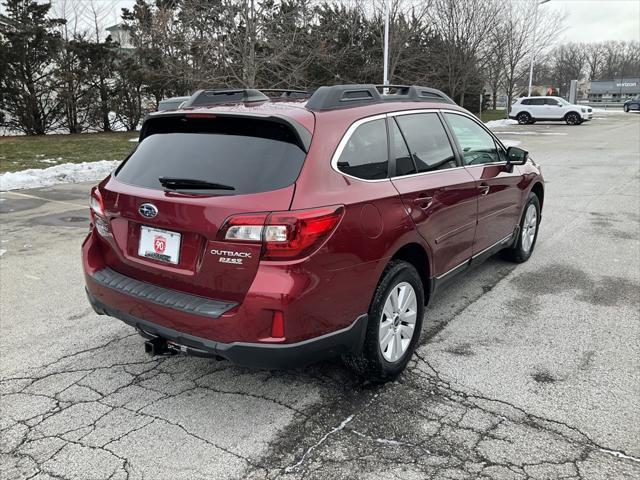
pixel 443 213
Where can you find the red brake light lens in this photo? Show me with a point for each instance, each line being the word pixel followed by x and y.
pixel 288 235
pixel 296 234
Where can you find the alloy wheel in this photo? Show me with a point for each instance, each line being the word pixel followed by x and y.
pixel 398 322
pixel 529 227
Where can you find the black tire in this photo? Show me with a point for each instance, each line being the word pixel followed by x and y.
pixel 370 363
pixel 518 252
pixel 572 118
pixel 626 108
pixel 524 118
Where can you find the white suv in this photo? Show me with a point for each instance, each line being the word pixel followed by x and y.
pixel 532 109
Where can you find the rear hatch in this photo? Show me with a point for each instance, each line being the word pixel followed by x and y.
pixel 165 204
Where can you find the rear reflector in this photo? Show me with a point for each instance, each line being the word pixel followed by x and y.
pixel 288 235
pixel 277 324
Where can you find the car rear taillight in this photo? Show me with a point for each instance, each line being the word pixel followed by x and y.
pixel 95 202
pixel 285 235
pixel 97 212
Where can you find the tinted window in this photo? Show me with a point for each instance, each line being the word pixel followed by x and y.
pixel 477 145
pixel 536 101
pixel 250 155
pixel 404 163
pixel 526 101
pixel 427 141
pixel 365 154
pixel 551 101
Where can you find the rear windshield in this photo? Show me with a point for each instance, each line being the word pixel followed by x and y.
pixel 249 155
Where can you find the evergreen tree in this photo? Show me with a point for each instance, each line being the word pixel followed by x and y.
pixel 28 46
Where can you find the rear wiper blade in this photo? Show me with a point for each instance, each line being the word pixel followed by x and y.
pixel 190 183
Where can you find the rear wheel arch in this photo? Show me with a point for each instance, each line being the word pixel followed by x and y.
pixel 416 255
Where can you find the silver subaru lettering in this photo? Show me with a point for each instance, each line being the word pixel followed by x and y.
pixel 148 210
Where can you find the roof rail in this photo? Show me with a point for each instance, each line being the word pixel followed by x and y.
pixel 284 92
pixel 342 96
pixel 414 93
pixel 212 97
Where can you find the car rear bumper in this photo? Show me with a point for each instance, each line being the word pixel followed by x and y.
pixel 257 355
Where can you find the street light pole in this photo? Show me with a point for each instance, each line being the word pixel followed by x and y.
pixel 386 43
pixel 533 50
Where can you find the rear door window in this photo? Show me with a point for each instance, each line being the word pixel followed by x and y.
pixel 365 155
pixel 250 155
pixel 427 141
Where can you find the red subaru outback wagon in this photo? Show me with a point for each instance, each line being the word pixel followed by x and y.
pixel 273 233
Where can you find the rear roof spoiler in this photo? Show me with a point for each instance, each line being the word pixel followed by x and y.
pixel 303 135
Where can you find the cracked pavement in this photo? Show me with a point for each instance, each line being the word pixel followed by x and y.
pixel 524 372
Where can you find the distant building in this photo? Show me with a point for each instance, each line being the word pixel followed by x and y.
pixel 616 90
pixel 120 33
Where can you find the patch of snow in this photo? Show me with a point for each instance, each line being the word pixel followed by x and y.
pixel 2 252
pixel 134 140
pixel 530 133
pixel 503 122
pixel 511 143
pixel 64 173
pixel 48 160
pixel 607 110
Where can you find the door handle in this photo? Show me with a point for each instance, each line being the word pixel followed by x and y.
pixel 484 189
pixel 423 201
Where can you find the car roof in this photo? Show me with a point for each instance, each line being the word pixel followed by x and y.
pixel 296 110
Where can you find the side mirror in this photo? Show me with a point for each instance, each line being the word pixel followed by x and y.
pixel 517 156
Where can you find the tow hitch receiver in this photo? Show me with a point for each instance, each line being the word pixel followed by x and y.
pixel 158 346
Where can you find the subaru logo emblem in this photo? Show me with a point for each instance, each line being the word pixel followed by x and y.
pixel 148 210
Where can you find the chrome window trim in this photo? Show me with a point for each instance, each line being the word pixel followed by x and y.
pixel 352 128
pixel 345 139
pixel 399 177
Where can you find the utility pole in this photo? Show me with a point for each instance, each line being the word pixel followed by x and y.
pixel 533 50
pixel 385 80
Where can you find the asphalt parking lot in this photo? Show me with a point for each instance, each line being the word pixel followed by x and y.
pixel 528 371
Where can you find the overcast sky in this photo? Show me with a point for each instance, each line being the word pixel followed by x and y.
pixel 597 20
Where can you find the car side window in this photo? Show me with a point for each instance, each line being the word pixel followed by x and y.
pixel 399 151
pixel 365 154
pixel 526 101
pixel 478 147
pixel 537 101
pixel 551 101
pixel 427 141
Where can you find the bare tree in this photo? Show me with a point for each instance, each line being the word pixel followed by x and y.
pixel 568 62
pixel 519 47
pixel 465 27
pixel 594 57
